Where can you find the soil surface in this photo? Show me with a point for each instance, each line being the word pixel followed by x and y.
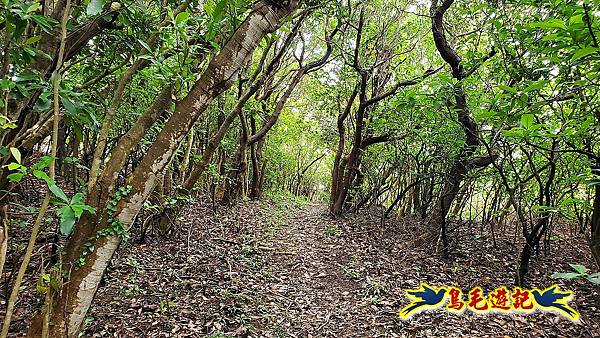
pixel 284 269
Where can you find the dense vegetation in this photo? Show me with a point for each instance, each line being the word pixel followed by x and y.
pixel 122 113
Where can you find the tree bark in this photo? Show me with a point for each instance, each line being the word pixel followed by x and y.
pixel 462 163
pixel 75 296
pixel 595 224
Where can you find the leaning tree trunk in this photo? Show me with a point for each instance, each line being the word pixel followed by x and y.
pixel 75 296
pixel 595 226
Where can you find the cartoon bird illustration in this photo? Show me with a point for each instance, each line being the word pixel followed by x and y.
pixel 553 299
pixel 425 297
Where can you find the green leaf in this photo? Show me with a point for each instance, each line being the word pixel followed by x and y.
pixel 514 132
pixel 537 85
pixel 219 10
pixel 34 7
pixel 15 177
pixel 43 163
pixel 583 52
pixel 40 285
pixel 69 106
pixel 549 24
pixel 58 192
pixel 579 268
pixel 145 45
pixel 16 154
pixel 43 176
pixel 594 278
pixel 565 275
pixel 13 166
pixel 576 20
pixel 67 220
pixel 182 17
pixel 78 198
pixel 486 114
pixel 508 89
pixel 32 40
pixel 77 209
pixel 45 22
pixel 527 120
pixel 94 7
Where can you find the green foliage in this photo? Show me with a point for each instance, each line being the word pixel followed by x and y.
pixel 580 272
pixel 46 281
pixel 94 6
pixel 70 210
pixel 115 227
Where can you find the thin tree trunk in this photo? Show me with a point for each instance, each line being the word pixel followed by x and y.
pixel 3 237
pixel 186 157
pixel 56 79
pixel 595 224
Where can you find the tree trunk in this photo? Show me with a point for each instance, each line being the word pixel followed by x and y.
pixel 532 239
pixel 75 296
pixel 258 165
pixel 186 157
pixel 595 225
pixel 3 237
pixel 462 162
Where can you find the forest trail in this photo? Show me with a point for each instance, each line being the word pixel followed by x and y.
pixel 217 125
pixel 312 284
pixel 282 269
pixel 279 268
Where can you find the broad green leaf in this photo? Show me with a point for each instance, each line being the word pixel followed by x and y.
pixel 549 24
pixel 486 114
pixel 67 220
pixel 583 52
pixel 33 40
pixel 58 192
pixel 77 209
pixel 527 120
pixel 45 22
pixel 15 177
pixel 579 268
pixel 576 19
pixel 508 89
pixel 43 163
pixel 536 86
pixel 69 106
pixel 94 7
pixel 219 10
pixel 182 17
pixel 565 275
pixel 34 7
pixel 78 198
pixel 43 176
pixel 16 154
pixel 594 278
pixel 514 132
pixel 13 166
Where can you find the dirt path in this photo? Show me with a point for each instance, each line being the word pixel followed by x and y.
pixel 311 282
pixel 279 269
